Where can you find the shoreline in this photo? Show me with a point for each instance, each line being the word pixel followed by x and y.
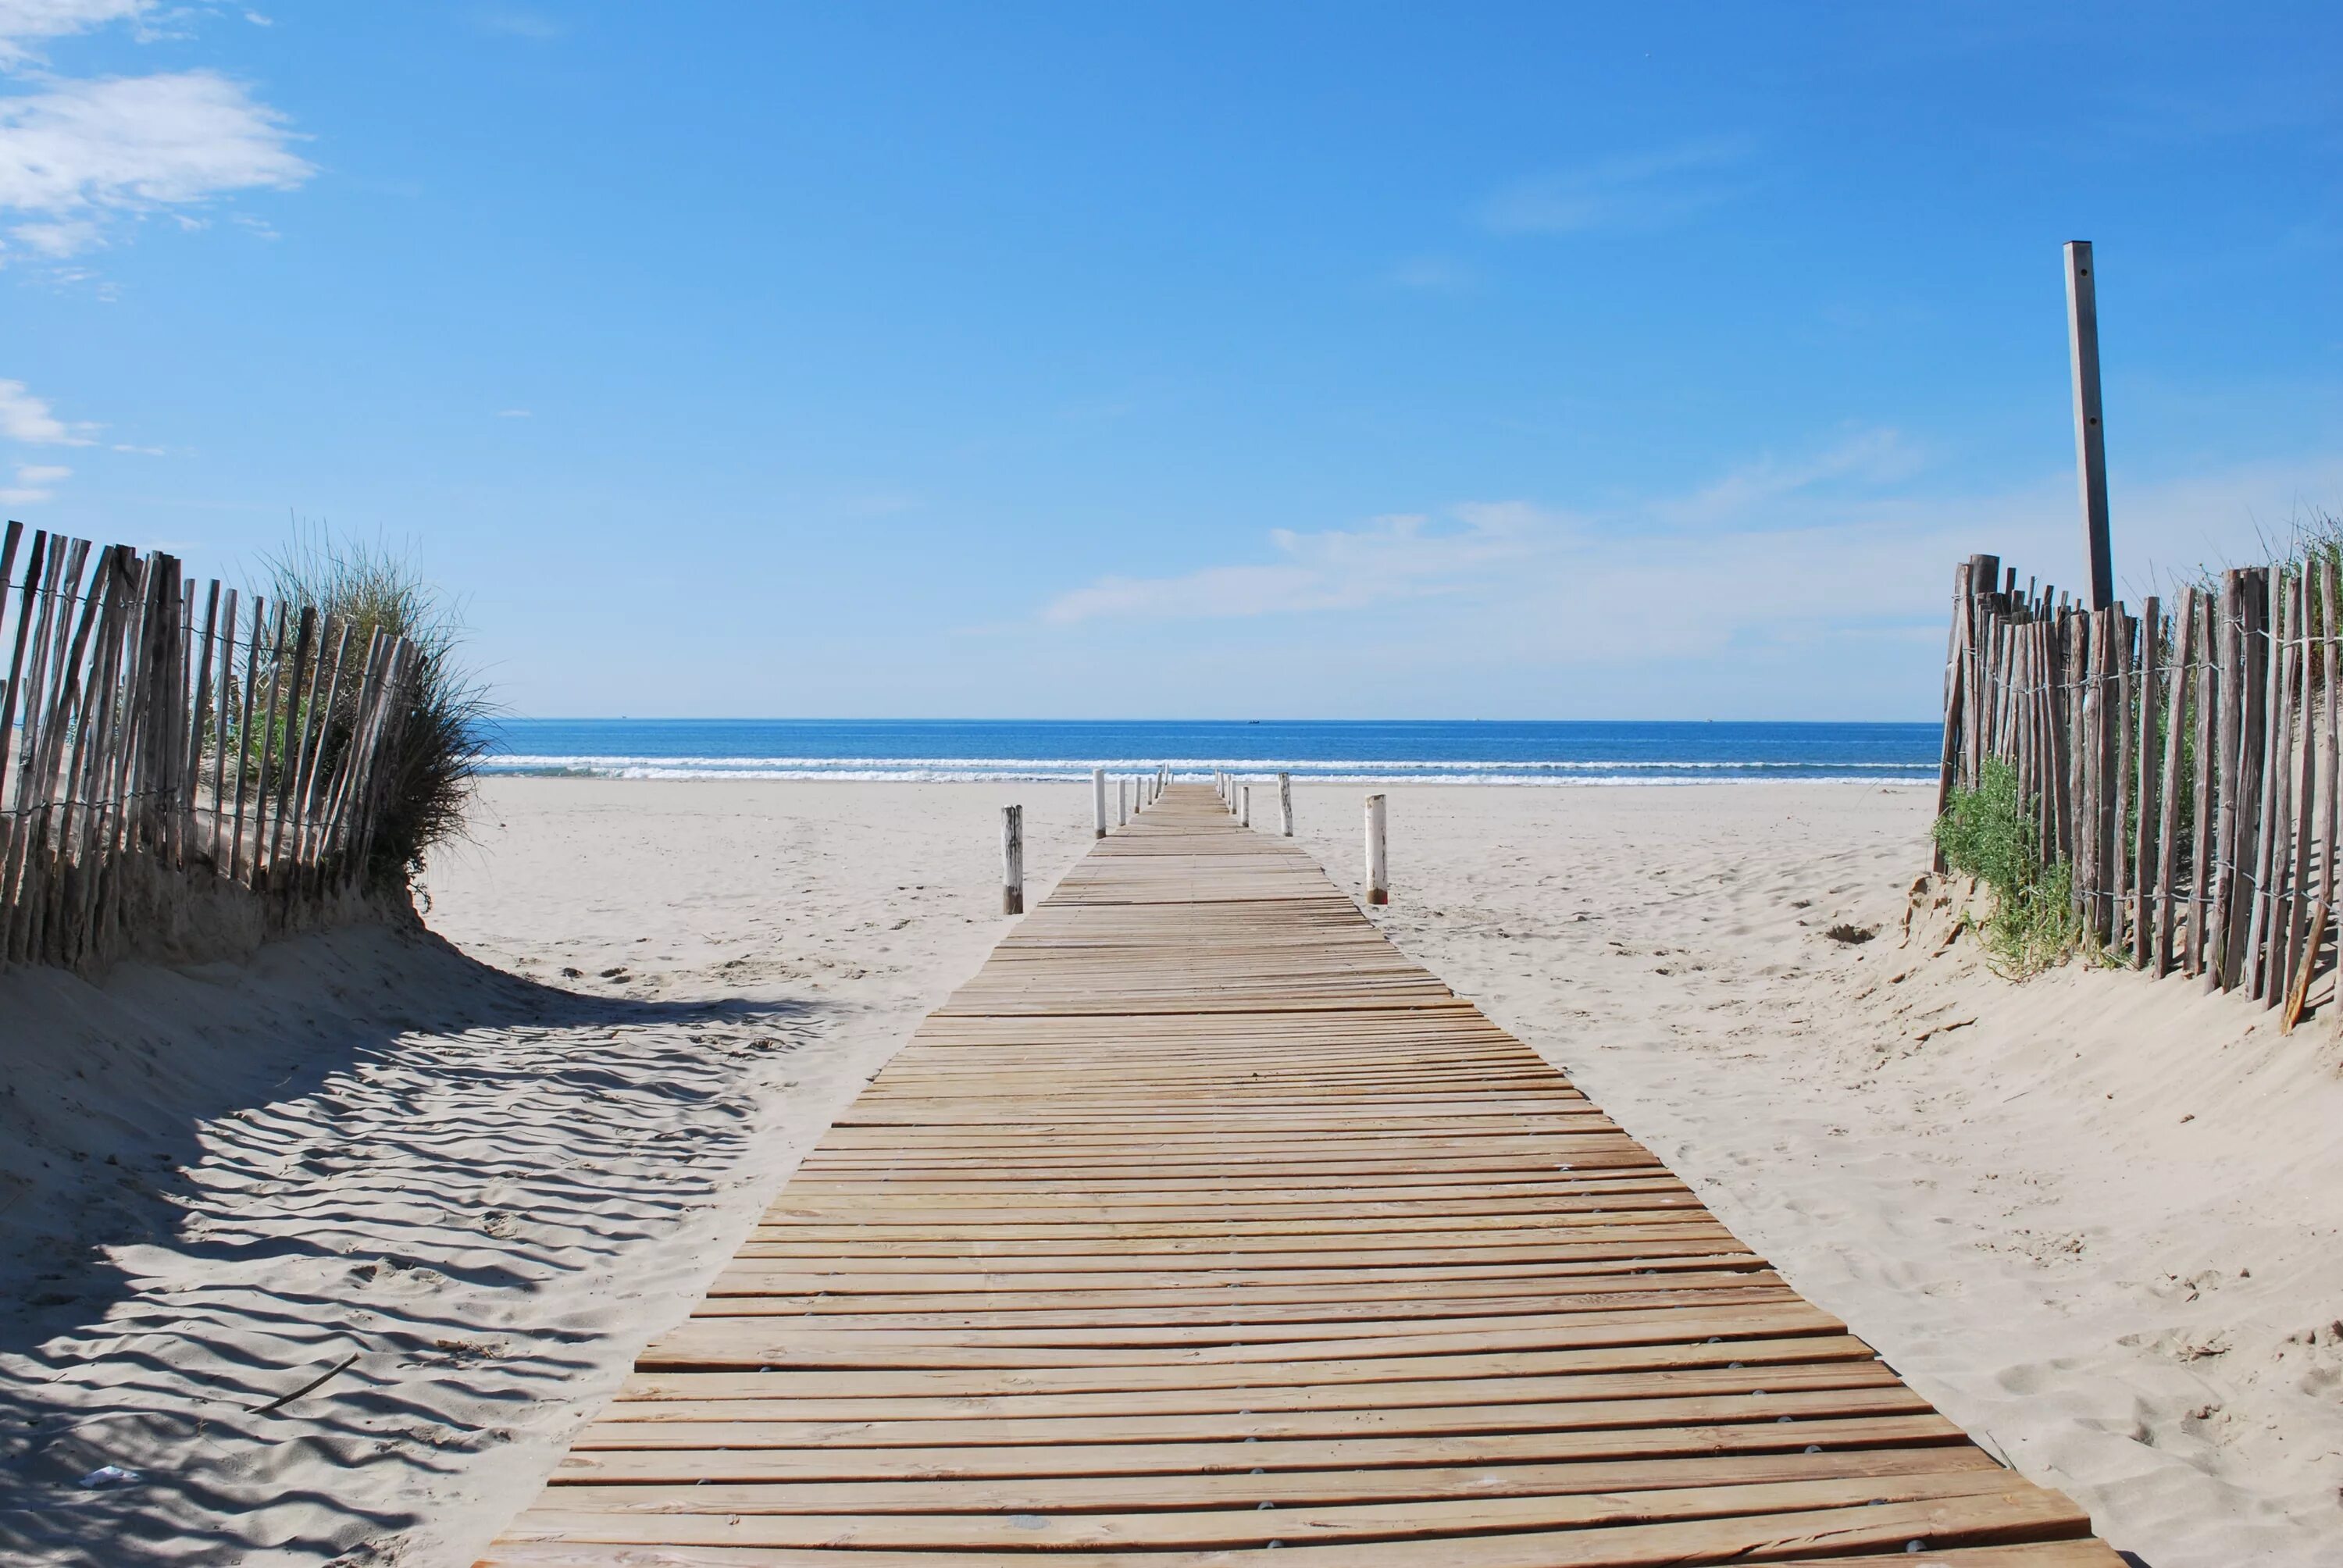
pixel 1378 780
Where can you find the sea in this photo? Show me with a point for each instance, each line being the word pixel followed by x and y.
pixel 1424 751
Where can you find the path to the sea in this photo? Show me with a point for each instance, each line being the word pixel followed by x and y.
pixel 1201 1222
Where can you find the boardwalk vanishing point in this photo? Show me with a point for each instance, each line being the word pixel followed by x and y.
pixel 1201 1222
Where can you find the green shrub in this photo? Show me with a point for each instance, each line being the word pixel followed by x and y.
pixel 1989 833
pixel 437 740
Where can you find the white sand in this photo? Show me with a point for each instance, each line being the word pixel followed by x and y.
pixel 492 1191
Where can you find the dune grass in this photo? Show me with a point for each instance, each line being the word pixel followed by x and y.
pixel 1988 833
pixel 439 733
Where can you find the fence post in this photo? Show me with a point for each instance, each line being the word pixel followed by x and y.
pixel 1285 805
pixel 1013 859
pixel 1121 802
pixel 1377 867
pixel 1245 805
pixel 2090 436
pixel 1098 802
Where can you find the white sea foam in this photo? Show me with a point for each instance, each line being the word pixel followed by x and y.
pixel 979 769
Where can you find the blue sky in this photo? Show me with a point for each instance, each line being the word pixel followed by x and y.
pixel 1058 361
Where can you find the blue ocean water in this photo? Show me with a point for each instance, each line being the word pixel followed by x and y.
pixel 1395 751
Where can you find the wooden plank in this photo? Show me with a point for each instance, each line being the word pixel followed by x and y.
pixel 11 821
pixel 300 705
pixel 2147 818
pixel 2202 867
pixel 2183 649
pixel 2302 765
pixel 245 764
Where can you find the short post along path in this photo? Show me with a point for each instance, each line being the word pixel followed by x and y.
pixel 1201 1222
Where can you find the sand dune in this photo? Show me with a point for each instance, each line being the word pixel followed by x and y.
pixel 2089 1215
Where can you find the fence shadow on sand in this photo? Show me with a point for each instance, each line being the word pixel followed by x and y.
pixel 282 1266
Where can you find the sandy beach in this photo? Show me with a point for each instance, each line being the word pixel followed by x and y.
pixel 332 1251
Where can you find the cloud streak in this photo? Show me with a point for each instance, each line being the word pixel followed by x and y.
pixel 1866 457
pixel 26 24
pixel 27 419
pixel 1634 192
pixel 1391 558
pixel 35 483
pixel 1813 584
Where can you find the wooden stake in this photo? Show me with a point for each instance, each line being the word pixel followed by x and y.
pixel 2330 621
pixel 2119 718
pixel 2090 436
pixel 1285 805
pixel 1098 802
pixel 2167 825
pixel 2201 865
pixel 2300 991
pixel 1013 859
pixel 2144 779
pixel 220 730
pixel 2269 810
pixel 2302 764
pixel 244 759
pixel 1378 865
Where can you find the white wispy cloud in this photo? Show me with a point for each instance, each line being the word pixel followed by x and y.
pixel 513 22
pixel 1645 190
pixel 79 156
pixel 1874 456
pixel 1835 542
pixel 35 483
pixel 25 25
pixel 27 419
pixel 1392 557
pixel 1432 274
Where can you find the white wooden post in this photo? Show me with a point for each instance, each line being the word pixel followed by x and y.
pixel 1377 867
pixel 1244 809
pixel 1285 804
pixel 1013 859
pixel 1098 802
pixel 1121 802
pixel 2090 434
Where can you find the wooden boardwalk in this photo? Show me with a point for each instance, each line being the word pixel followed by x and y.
pixel 1201 1222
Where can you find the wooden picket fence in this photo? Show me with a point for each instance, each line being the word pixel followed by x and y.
pixel 2182 761
pixel 146 748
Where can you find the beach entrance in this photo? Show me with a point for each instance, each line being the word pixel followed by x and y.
pixel 1202 1221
